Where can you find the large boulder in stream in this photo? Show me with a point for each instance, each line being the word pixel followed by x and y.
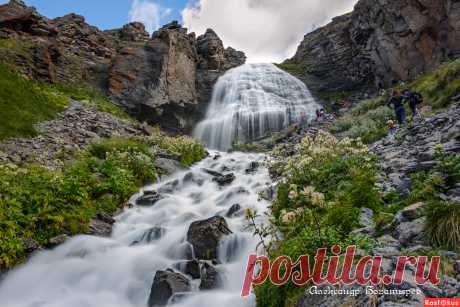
pixel 206 235
pixel 165 285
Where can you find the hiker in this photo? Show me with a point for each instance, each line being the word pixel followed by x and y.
pixel 414 99
pixel 392 128
pixel 397 100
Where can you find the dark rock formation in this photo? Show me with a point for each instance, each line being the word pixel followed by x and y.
pixel 166 79
pixel 210 278
pixel 165 285
pixel 206 235
pixel 149 198
pixel 380 43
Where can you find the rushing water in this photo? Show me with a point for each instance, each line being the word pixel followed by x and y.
pixel 89 271
pixel 251 100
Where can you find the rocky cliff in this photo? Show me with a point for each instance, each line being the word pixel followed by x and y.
pixel 164 79
pixel 379 43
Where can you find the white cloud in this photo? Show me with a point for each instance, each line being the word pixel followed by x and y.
pixel 267 30
pixel 147 12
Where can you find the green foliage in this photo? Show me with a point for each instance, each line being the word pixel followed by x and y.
pixel 367 120
pixel 292 67
pixel 40 204
pixel 24 103
pixel 443 224
pixel 327 182
pixel 185 149
pixel 85 93
pixel 439 86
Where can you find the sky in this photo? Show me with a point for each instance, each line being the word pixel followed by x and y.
pixel 266 30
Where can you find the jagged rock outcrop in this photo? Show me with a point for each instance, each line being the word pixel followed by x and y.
pixel 165 79
pixel 379 43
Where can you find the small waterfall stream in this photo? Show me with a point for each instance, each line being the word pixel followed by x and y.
pixel 252 100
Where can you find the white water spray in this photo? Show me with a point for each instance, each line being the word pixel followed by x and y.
pixel 251 100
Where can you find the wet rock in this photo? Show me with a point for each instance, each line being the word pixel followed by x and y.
pixel 206 235
pixel 191 267
pixel 149 198
pixel 210 277
pixel 150 235
pixel 168 166
pixel 169 187
pixel 30 245
pixel 165 285
pixel 253 167
pixel 98 227
pixel 224 180
pixel 58 240
pixel 233 211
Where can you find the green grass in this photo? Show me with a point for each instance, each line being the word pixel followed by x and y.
pixel 367 120
pixel 40 204
pixel 439 86
pixel 85 93
pixel 292 68
pixel 23 103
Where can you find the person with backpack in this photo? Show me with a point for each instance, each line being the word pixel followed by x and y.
pixel 397 100
pixel 415 100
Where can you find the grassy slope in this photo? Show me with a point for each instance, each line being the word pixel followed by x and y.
pixel 368 119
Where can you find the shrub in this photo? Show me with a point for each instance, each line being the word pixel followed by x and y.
pixel 367 120
pixel 185 149
pixel 443 224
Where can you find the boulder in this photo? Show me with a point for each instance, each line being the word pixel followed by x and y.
pixel 233 211
pixel 410 232
pixel 30 245
pixel 210 278
pixel 150 235
pixel 224 180
pixel 252 168
pixel 98 227
pixel 165 285
pixel 149 198
pixel 169 166
pixel 191 268
pixel 206 235
pixel 410 213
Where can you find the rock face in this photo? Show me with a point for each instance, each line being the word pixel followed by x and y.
pixel 379 43
pixel 165 79
pixel 206 235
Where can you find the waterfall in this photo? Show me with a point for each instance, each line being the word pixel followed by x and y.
pixel 251 100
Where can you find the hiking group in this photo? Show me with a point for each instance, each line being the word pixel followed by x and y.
pixel 397 100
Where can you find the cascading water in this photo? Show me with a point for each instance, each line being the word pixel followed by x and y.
pixel 251 100
pixel 89 271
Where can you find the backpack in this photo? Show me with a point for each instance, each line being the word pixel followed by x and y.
pixel 417 98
